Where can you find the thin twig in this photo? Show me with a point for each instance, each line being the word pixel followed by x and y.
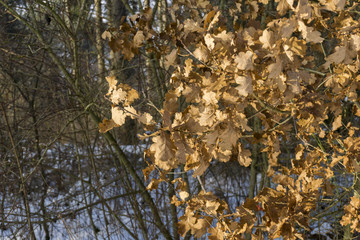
pixel 268 106
pixel 281 123
pixel 201 184
pixel 313 71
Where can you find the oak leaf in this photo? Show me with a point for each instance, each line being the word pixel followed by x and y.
pixel 200 227
pixel 192 26
pixel 355 202
pixel 309 34
pixel 245 85
pixel 211 138
pixel 296 46
pixel 204 159
pixel 170 59
pixel 192 222
pixel 202 3
pixel 207 116
pixel 281 82
pixel 303 9
pixel 186 222
pixel 294 82
pixel 112 82
pixel 337 123
pixel 192 93
pixel 275 69
pixel 107 125
pixel 171 102
pixel 213 21
pixel 118 115
pixel 208 18
pixel 355 42
pixel 209 41
pixel 249 35
pixel 299 151
pixel 132 95
pixel 164 151
pixel 228 137
pixel 188 67
pixel 241 121
pixel 244 156
pixel 182 148
pixel 106 35
pixel 118 96
pixel 201 53
pixel 225 37
pixel 333 5
pixel 346 220
pixel 267 39
pixel 210 98
pixel 287 28
pixel 183 195
pixel 217 232
pixel 127 49
pixel 146 119
pixel 245 60
pixel 147 171
pixel 154 183
pixel 138 39
pixel 341 55
pixel 282 6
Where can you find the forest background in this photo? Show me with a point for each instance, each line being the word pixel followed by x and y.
pixel 179 119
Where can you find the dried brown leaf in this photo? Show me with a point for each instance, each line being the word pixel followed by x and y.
pixel 170 59
pixel 267 39
pixel 244 156
pixel 202 53
pixel 118 115
pixel 245 60
pixel 107 125
pixel 245 85
pixel 164 151
pixel 337 123
pixel 138 39
pixel 146 119
pixel 309 33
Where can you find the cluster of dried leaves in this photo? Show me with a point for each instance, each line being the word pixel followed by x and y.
pixel 275 63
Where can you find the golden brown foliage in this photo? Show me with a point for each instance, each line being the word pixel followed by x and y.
pixel 274 63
